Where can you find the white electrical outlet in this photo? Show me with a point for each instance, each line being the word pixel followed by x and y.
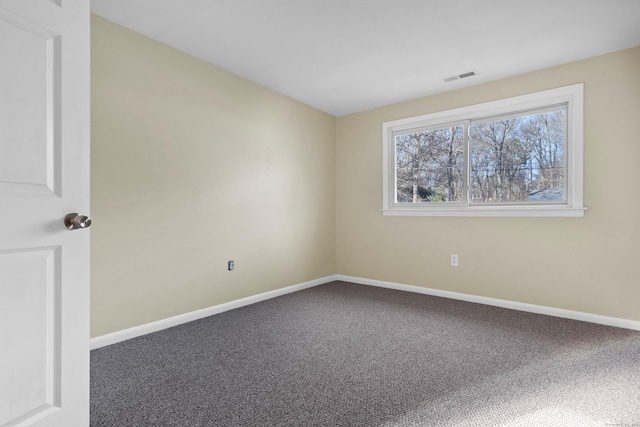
pixel 454 260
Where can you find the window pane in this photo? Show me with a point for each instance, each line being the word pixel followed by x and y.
pixel 430 165
pixel 519 159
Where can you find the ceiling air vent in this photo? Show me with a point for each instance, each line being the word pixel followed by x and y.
pixel 460 76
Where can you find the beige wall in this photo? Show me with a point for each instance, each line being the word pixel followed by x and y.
pixel 589 264
pixel 193 166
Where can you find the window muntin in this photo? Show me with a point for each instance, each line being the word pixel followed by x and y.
pixel 520 156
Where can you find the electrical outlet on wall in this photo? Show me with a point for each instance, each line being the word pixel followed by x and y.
pixel 454 260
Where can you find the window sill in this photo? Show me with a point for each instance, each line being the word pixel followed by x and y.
pixel 489 211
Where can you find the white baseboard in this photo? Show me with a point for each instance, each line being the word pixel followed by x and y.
pixel 532 308
pixel 159 325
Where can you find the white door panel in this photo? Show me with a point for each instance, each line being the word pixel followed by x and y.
pixel 44 174
pixel 29 300
pixel 27 89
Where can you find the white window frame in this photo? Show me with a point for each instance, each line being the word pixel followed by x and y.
pixel 571 96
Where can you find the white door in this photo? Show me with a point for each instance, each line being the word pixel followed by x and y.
pixel 44 174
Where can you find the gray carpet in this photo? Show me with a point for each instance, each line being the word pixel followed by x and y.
pixel 350 355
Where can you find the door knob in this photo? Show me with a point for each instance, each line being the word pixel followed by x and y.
pixel 73 221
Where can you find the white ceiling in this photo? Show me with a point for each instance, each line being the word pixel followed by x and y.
pixel 344 56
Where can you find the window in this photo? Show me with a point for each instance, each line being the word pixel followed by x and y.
pixel 519 156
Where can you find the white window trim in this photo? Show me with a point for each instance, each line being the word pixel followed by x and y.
pixel 573 207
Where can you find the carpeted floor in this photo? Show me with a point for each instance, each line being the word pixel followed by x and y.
pixel 350 355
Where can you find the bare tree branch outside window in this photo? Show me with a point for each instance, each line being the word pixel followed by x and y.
pixel 430 165
pixel 514 159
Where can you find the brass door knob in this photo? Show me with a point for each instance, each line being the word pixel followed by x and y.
pixel 73 221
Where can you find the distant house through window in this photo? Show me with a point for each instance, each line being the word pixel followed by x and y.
pixel 519 156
